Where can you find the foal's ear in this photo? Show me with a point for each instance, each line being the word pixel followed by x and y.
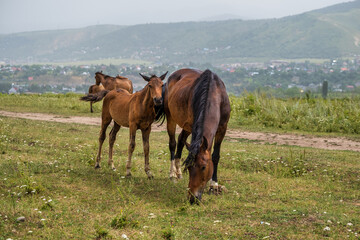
pixel 162 77
pixel 204 144
pixel 145 77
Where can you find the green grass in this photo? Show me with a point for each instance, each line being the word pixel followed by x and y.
pixel 62 104
pixel 333 117
pixel 340 116
pixel 274 192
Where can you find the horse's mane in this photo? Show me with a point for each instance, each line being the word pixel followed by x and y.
pixel 105 76
pixel 199 106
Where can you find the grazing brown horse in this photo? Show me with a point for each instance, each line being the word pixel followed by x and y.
pixel 95 89
pixel 111 83
pixel 136 111
pixel 196 101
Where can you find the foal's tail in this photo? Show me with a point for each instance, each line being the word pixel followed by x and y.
pixel 95 97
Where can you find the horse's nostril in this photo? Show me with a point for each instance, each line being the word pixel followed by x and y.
pixel 158 100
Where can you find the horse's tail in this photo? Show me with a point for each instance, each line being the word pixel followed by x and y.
pixel 199 106
pixel 159 110
pixel 95 97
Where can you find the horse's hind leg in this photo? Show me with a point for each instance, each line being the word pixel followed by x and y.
pixel 91 109
pixel 145 138
pixel 112 138
pixel 181 142
pixel 130 149
pixel 104 124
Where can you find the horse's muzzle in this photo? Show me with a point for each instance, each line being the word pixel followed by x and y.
pixel 195 198
pixel 158 101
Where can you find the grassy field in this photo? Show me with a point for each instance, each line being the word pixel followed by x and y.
pixel 336 117
pixel 274 192
pixel 62 104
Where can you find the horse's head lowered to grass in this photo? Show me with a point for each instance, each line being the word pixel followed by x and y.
pixel 200 168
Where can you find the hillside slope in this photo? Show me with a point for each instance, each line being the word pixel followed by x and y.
pixel 330 32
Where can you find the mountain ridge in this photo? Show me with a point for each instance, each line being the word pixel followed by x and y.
pixel 323 33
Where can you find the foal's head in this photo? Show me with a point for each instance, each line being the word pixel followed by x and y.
pixel 155 86
pixel 200 171
pixel 98 76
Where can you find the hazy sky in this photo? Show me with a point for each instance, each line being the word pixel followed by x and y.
pixel 30 15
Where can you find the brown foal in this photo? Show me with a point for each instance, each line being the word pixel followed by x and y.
pixel 135 111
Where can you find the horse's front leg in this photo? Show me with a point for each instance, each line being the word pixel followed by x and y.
pixel 219 137
pixel 171 128
pixel 181 142
pixel 145 138
pixel 130 149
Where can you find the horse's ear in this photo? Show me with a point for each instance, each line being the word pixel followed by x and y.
pixel 204 144
pixel 145 77
pixel 162 77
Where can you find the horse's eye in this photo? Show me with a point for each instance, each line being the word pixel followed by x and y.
pixel 150 86
pixel 203 168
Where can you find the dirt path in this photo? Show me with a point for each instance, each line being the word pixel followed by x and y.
pixel 272 138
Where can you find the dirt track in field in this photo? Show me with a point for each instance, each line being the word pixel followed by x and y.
pixel 330 143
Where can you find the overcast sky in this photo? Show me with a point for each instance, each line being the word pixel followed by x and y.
pixel 30 15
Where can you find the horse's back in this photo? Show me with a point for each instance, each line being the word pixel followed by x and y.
pixel 179 97
pixel 182 74
pixel 95 88
pixel 116 104
pixel 124 83
pixel 179 85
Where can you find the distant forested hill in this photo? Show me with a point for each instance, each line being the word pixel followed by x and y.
pixel 329 32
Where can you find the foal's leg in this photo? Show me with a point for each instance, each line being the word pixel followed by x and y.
pixel 112 138
pixel 91 110
pixel 219 137
pixel 181 142
pixel 171 127
pixel 104 124
pixel 131 149
pixel 145 138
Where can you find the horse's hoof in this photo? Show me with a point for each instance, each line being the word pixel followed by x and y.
pixel 179 176
pixel 97 166
pixel 172 176
pixel 217 189
pixel 150 177
pixel 128 175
